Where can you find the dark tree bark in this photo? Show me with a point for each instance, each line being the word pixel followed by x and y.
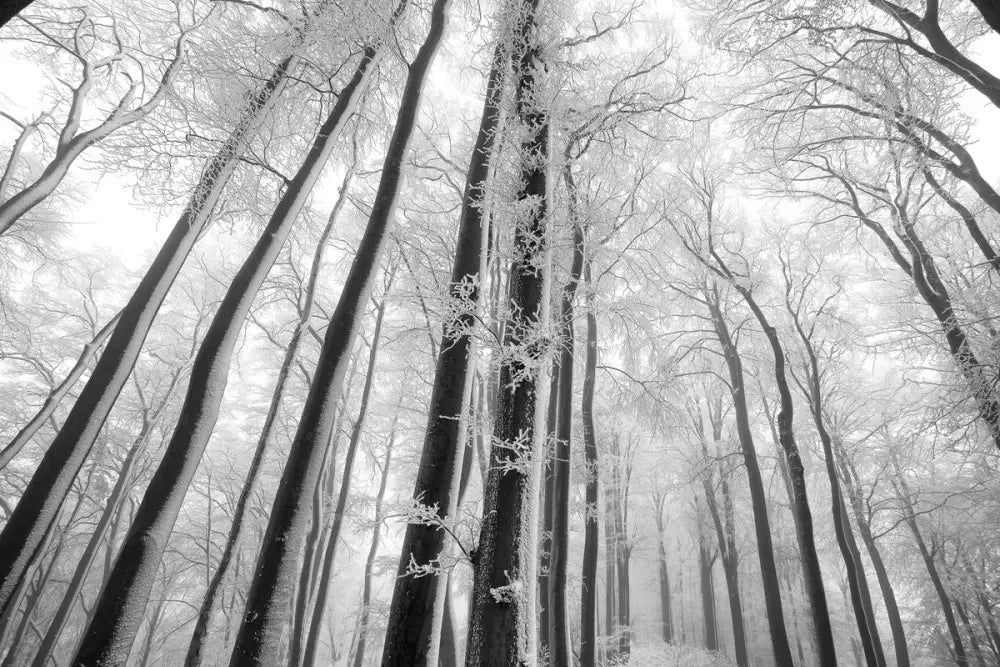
pixel 706 559
pixel 118 614
pixel 366 597
pixel 11 8
pixel 58 393
pixel 591 539
pixel 274 577
pixel 910 518
pixel 560 651
pixel 758 497
pixel 502 628
pixel 548 515
pixel 113 509
pixel 343 496
pixel 857 582
pixel 414 616
pixel 36 511
pixel 811 574
pixel 990 9
pixel 196 646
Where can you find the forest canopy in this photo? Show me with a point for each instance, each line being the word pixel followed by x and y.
pixel 527 332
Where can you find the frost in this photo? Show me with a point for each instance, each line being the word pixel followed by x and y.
pixel 509 593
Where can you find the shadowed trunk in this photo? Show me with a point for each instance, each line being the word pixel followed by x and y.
pixel 274 578
pixel 591 539
pixel 31 520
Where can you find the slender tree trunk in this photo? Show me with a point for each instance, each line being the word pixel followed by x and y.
pixel 545 588
pixel 909 516
pixel 591 540
pixel 197 645
pixel 100 535
pixel 666 624
pixel 119 610
pixel 58 393
pixel 610 580
pixel 415 615
pixel 622 555
pixel 874 554
pixel 366 599
pixel 273 583
pixel 333 539
pixel 811 572
pixel 39 504
pixel 705 561
pixel 758 497
pixel 560 651
pixel 860 597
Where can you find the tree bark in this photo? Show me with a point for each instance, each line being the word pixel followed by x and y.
pixel 116 621
pixel 274 578
pixel 591 540
pixel 11 8
pixel 196 646
pixel 502 629
pixel 366 598
pixel 36 511
pixel 758 497
pixel 415 614
pixel 343 496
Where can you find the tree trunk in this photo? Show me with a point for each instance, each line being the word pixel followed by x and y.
pixel 758 496
pixel 274 578
pixel 610 580
pixel 112 509
pixel 705 561
pixel 858 584
pixel 31 520
pixel 343 496
pixel 885 585
pixel 119 610
pixel 58 393
pixel 910 518
pixel 811 573
pixel 415 612
pixel 11 8
pixel 366 599
pixel 502 628
pixel 591 540
pixel 197 645
pixel 545 592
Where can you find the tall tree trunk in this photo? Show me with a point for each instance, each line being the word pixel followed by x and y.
pixel 758 497
pixel 591 539
pixel 100 534
pixel 622 555
pixel 58 393
pixel 343 496
pixel 415 614
pixel 854 494
pixel 11 8
pixel 31 520
pixel 610 579
pixel 119 610
pixel 705 562
pixel 910 518
pixel 560 652
pixel 366 598
pixel 502 629
pixel 858 584
pixel 545 591
pixel 274 578
pixel 811 573
pixel 196 646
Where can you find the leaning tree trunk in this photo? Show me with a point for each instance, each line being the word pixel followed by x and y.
pixel 343 496
pixel 758 496
pixel 58 393
pixel 811 574
pixel 502 627
pixel 415 614
pixel 112 509
pixel 260 633
pixel 11 8
pixel 118 613
pixel 591 539
pixel 366 597
pixel 910 518
pixel 858 584
pixel 36 511
pixel 197 645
